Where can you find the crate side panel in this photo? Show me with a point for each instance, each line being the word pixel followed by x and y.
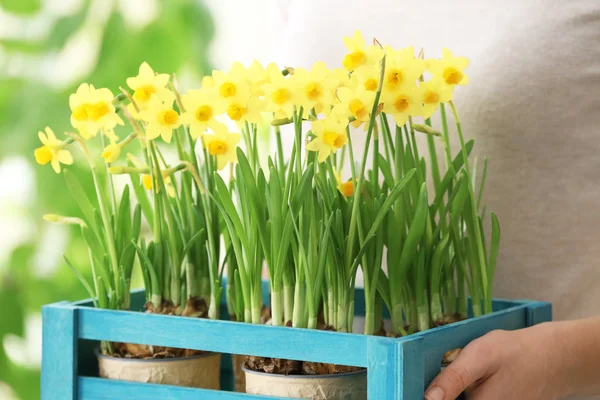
pixel 538 312
pixel 59 352
pixel 395 370
pixel 223 336
pixel 104 389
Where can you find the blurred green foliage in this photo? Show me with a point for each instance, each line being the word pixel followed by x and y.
pixel 178 37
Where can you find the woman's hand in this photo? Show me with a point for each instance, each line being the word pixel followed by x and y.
pixel 524 364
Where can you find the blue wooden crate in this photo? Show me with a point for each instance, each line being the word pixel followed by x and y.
pixel 397 369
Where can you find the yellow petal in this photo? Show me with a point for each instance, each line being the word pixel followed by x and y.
pixel 104 94
pixel 55 165
pixel 65 157
pixel 133 83
pixel 43 138
pixel 314 145
pixel 50 134
pixel 400 118
pixel 447 54
pixel 323 154
pixel 345 94
pixel 161 80
pixel 461 62
pixel 167 134
pixel 152 131
pixel 146 72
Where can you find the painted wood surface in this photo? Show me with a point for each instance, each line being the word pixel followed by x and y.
pixel 398 369
pixel 223 336
pixel 59 352
pixel 103 389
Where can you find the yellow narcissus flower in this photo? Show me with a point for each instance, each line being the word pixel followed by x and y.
pixel 346 188
pixel 146 84
pixel 366 76
pixel 161 119
pixel 111 153
pixel 280 93
pixel 53 151
pixel 449 68
pixel 199 111
pixel 316 87
pixel 404 102
pixel 221 144
pixel 354 103
pixel 231 86
pixel 330 135
pixel 92 110
pixel 147 181
pixel 434 92
pixel 257 77
pixel 341 76
pixel 360 54
pixel 401 68
pixel 250 111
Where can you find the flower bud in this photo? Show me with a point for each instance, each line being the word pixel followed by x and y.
pixel 111 153
pixel 426 129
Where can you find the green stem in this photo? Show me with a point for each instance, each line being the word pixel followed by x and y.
pixel 299 303
pixel 450 294
pixel 436 307
pixel 446 137
pixel 474 213
pixel 356 201
pixel 397 318
pixel 423 317
pixel 111 186
pixel 108 229
pixel 280 157
pixel 288 302
pixel 276 311
pixel 435 169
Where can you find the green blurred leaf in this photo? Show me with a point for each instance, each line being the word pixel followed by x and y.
pixel 25 7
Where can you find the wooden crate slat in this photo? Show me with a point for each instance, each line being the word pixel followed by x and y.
pixel 438 341
pixel 104 389
pixel 59 352
pixel 223 336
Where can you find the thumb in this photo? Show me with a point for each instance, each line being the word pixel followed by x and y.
pixel 470 367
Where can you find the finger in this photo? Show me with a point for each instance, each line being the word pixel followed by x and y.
pixel 470 367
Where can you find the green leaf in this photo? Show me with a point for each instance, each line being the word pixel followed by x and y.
pixel 24 7
pixel 146 263
pixel 142 198
pixel 383 287
pixel 389 202
pixel 191 243
pixel 451 173
pixel 436 264
pixel 81 198
pixel 303 190
pixel 123 231
pixel 415 233
pixel 83 281
pixel 137 222
pixel 386 170
pixel 494 247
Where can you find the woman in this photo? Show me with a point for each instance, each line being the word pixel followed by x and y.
pixel 533 106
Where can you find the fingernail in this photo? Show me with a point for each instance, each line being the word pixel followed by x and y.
pixel 435 393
